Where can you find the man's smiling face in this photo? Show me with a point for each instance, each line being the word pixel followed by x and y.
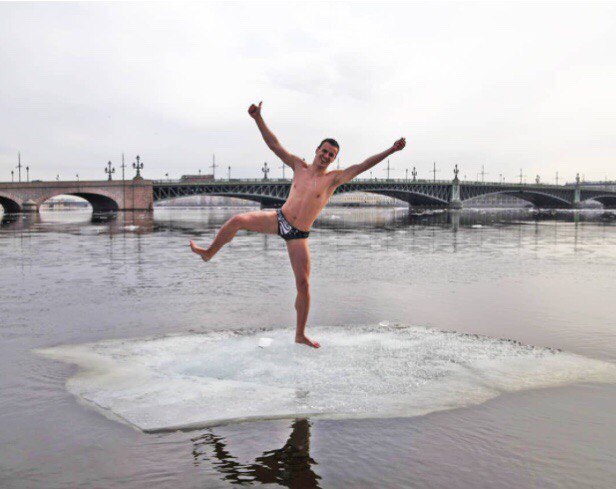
pixel 325 154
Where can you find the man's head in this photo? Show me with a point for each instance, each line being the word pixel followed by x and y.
pixel 326 152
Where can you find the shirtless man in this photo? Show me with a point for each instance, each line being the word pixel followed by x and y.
pixel 311 189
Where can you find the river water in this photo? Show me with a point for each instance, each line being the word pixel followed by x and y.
pixel 469 349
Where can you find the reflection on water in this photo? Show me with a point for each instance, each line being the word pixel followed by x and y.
pixel 73 221
pixel 333 218
pixel 289 466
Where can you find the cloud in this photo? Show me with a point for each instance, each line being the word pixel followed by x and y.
pixel 500 85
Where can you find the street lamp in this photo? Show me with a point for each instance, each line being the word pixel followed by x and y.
pixel 137 166
pixel 109 171
pixel 27 174
pixel 265 170
pixel 77 175
pixel 12 176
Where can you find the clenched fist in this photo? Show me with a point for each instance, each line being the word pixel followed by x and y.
pixel 399 144
pixel 255 111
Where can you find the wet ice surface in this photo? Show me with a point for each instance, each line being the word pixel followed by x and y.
pixel 198 380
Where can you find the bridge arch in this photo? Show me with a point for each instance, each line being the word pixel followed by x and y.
pixel 535 197
pixel 409 194
pixel 261 199
pixel 411 198
pixel 98 201
pixel 10 205
pixel 608 201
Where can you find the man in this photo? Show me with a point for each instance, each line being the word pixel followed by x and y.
pixel 310 191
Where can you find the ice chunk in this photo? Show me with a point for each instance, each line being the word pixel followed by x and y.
pixel 200 380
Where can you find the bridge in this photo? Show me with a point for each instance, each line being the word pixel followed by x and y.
pixel 140 194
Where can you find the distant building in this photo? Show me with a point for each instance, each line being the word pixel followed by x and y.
pixel 353 199
pixel 65 202
pixel 207 201
pixel 496 200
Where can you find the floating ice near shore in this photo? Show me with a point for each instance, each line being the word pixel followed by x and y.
pixel 198 380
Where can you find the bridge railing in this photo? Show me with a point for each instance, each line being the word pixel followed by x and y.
pixel 288 180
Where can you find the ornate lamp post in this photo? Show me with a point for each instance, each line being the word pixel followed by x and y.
pixel 12 176
pixel 27 174
pixel 77 175
pixel 109 171
pixel 138 166
pixel 57 177
pixel 414 173
pixel 265 170
pixel 229 172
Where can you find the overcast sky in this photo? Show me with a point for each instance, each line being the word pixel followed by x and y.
pixel 500 85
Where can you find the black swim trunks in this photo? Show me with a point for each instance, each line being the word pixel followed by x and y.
pixel 286 231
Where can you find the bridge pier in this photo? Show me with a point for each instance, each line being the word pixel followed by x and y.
pixel 455 202
pixel 29 206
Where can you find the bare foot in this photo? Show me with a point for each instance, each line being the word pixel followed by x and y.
pixel 202 252
pixel 304 340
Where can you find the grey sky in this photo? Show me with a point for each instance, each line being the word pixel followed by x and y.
pixel 501 85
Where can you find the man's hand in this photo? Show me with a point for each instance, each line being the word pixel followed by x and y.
pixel 399 144
pixel 255 111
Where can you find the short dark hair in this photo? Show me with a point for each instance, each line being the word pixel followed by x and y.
pixel 331 141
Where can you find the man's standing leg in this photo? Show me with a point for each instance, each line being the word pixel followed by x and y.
pixel 299 253
pixel 259 221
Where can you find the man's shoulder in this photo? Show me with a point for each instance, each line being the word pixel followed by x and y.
pixel 335 175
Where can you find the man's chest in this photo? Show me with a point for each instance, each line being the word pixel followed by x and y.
pixel 312 187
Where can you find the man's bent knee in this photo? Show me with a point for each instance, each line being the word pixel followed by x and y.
pixel 238 222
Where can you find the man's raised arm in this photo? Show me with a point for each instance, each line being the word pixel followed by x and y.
pixel 351 172
pixel 271 140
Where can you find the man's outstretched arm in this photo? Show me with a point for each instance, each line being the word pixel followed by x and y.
pixel 351 172
pixel 271 140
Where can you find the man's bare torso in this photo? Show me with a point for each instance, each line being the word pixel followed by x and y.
pixel 310 193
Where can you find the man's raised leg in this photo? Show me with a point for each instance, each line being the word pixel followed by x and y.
pixel 299 253
pixel 260 221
